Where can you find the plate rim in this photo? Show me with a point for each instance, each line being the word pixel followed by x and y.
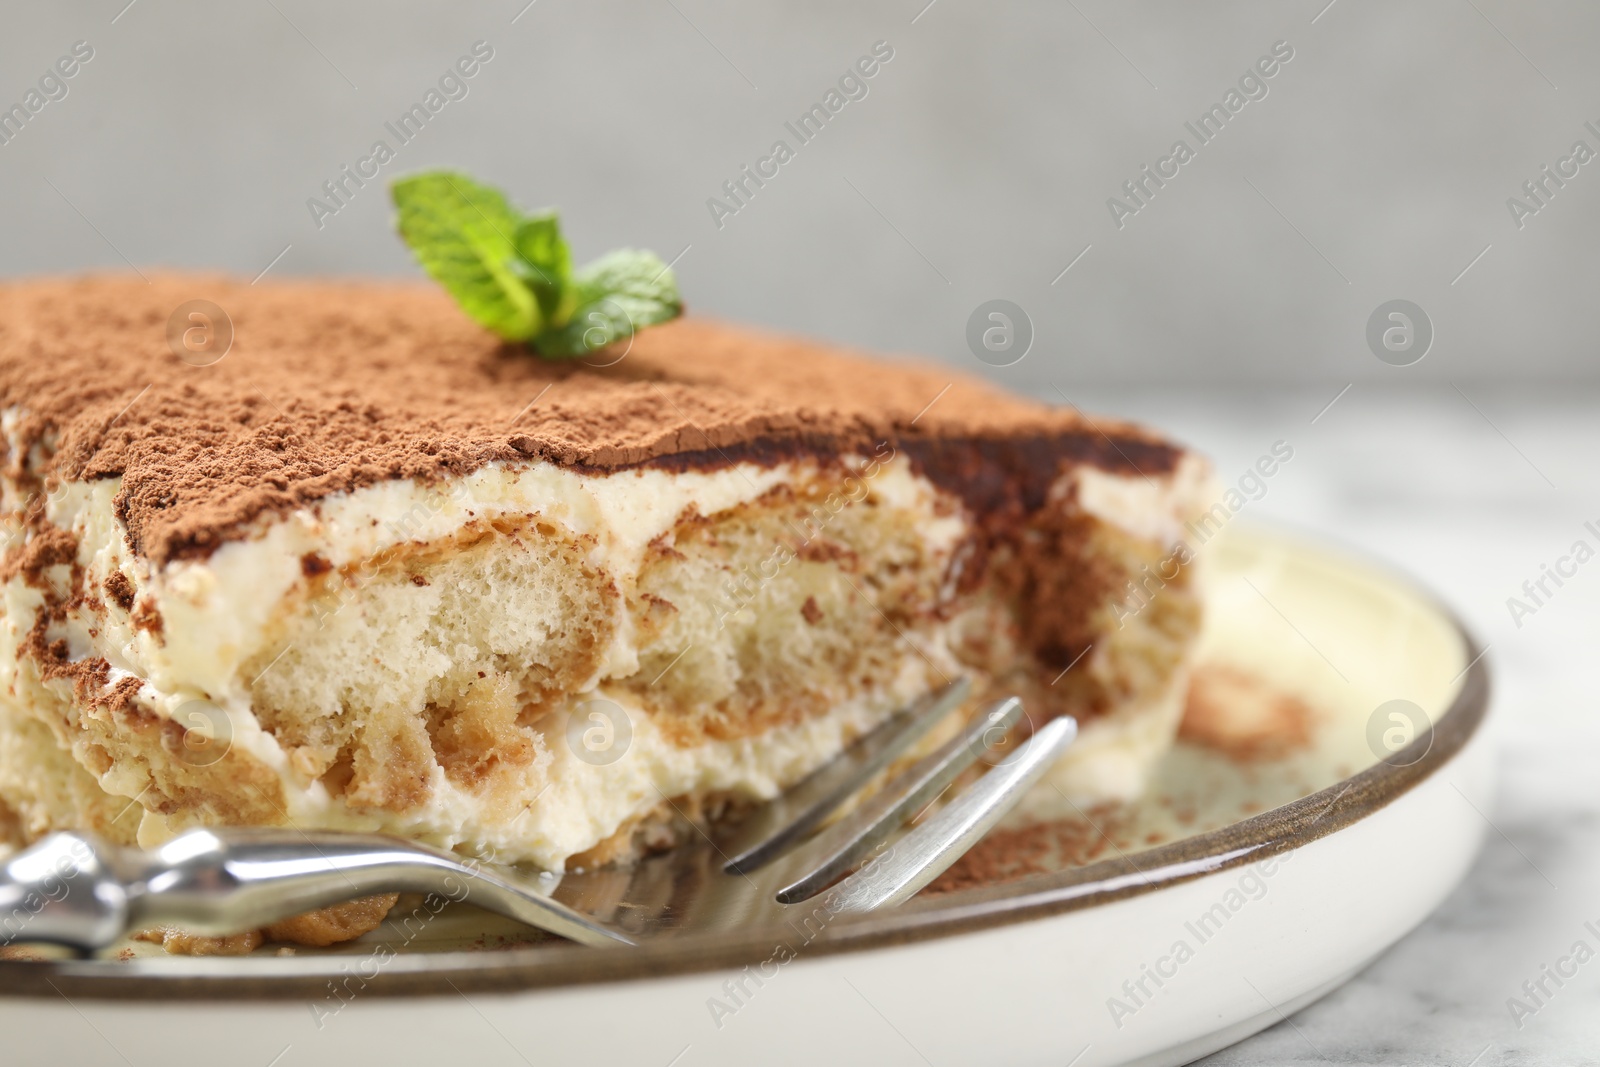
pixel 1033 897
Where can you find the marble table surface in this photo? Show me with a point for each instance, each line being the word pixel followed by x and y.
pixel 1473 489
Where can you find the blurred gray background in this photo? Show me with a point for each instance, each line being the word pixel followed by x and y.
pixel 978 166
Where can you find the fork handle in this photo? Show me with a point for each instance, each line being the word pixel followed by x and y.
pixel 78 890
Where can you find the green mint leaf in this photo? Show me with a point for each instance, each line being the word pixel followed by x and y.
pixel 544 253
pixel 513 272
pixel 463 234
pixel 612 298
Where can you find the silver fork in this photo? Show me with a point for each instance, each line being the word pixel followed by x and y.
pixel 78 890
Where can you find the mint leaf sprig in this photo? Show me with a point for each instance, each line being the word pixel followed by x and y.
pixel 513 274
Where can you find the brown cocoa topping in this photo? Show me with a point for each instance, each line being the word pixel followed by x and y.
pixel 332 386
pixel 120 589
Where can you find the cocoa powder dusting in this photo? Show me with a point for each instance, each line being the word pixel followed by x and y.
pixel 120 589
pixel 32 559
pixel 332 386
pixel 1037 848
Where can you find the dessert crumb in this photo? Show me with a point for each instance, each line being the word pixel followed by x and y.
pixel 809 609
pixel 1243 718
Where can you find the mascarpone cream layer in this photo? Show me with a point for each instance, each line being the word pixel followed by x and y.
pixel 217 613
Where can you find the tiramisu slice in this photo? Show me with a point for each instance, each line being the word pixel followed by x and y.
pixel 375 569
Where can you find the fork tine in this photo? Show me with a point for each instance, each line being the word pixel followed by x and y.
pixel 781 822
pixel 929 850
pixel 838 847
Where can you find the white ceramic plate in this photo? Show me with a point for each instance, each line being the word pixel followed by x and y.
pixel 1189 924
